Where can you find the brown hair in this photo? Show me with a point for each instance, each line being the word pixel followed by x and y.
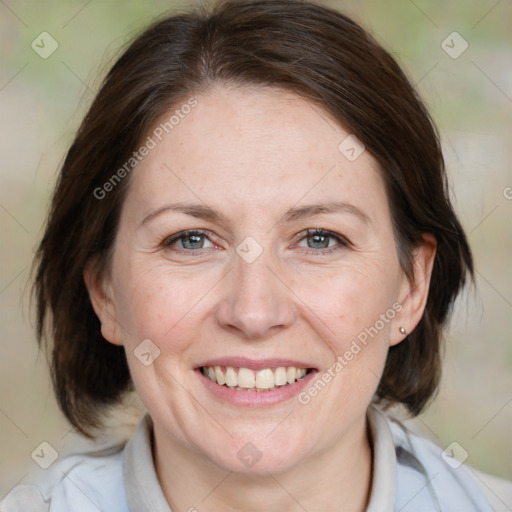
pixel 303 47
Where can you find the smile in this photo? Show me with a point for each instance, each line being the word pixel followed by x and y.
pixel 246 379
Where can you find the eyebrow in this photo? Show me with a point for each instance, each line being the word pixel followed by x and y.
pixel 202 211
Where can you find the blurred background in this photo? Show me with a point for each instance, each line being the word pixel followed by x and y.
pixel 53 55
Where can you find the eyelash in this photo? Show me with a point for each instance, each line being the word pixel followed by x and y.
pixel 342 241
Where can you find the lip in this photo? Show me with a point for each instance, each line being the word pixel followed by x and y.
pixel 255 364
pixel 254 398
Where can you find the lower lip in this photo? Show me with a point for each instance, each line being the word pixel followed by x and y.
pixel 255 398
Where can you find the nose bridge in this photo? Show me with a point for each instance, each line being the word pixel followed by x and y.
pixel 255 301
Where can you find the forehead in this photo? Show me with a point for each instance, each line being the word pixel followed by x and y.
pixel 253 148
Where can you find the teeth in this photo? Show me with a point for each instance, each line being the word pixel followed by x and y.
pixel 244 379
pixel 264 378
pixel 231 377
pixel 280 376
pixel 301 372
pixel 219 376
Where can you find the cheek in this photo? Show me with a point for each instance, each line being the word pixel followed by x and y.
pixel 156 304
pixel 349 301
pixel 350 304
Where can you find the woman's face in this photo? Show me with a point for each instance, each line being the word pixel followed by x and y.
pixel 250 290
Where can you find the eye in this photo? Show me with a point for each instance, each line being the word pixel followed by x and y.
pixel 320 241
pixel 187 241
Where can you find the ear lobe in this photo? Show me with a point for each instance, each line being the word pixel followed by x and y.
pixel 101 299
pixel 414 292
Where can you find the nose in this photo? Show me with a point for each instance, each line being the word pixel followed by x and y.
pixel 256 302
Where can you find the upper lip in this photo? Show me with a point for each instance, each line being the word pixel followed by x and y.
pixel 255 364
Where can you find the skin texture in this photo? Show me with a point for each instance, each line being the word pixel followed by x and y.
pixel 253 154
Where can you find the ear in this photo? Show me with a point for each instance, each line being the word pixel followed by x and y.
pixel 100 294
pixel 414 292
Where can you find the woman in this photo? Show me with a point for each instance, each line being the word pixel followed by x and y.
pixel 252 230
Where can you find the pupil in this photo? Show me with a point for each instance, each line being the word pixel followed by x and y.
pixel 191 240
pixel 323 240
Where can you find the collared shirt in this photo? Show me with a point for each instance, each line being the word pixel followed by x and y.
pixel 410 474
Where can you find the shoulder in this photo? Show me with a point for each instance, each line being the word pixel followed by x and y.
pixel 77 483
pixel 430 477
pixel 497 490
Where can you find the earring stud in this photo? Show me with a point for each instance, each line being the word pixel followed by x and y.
pixel 402 330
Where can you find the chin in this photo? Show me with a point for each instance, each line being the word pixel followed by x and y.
pixel 259 456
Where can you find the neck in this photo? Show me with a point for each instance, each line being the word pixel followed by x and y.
pixel 338 477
